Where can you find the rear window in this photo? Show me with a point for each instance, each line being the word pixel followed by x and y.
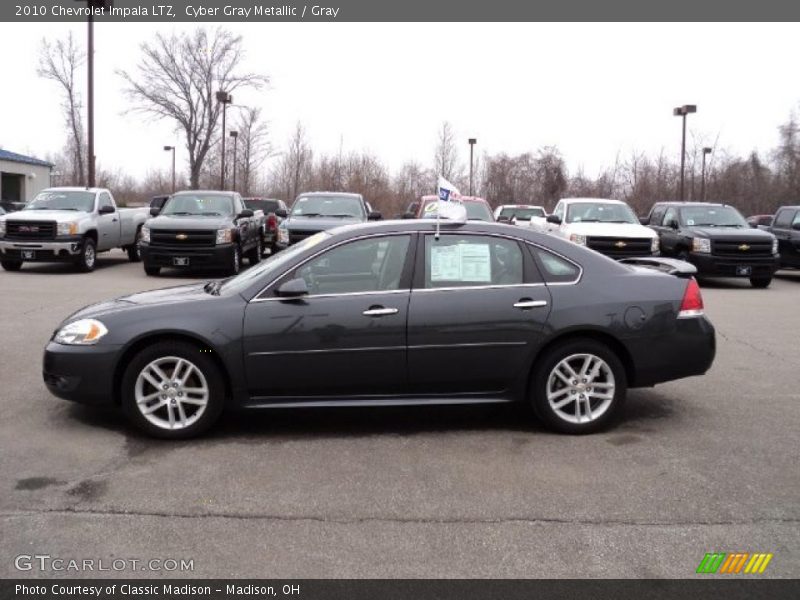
pixel 555 269
pixel 521 213
pixel 268 206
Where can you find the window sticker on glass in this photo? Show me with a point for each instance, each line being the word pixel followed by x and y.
pixel 690 222
pixel 461 262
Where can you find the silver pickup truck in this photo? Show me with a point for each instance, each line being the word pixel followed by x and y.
pixel 69 224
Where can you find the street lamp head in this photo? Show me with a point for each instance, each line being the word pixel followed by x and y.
pixel 707 150
pixel 224 97
pixel 472 141
pixel 168 148
pixel 234 134
pixel 684 110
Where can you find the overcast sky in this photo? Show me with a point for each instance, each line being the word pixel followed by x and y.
pixel 591 89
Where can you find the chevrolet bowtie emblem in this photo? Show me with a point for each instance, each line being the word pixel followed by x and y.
pixel 620 244
pixel 181 236
pixel 744 247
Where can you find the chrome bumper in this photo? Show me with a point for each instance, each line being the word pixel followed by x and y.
pixel 71 247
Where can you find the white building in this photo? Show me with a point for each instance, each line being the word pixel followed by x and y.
pixel 22 177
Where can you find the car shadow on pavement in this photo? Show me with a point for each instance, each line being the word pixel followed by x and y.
pixel 66 268
pixel 787 275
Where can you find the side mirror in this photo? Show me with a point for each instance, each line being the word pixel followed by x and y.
pixel 644 220
pixel 796 226
pixel 294 288
pixel 106 210
pixel 374 216
pixel 245 214
pixel 672 224
pixel 753 224
pixel 155 211
pixel 281 213
pixel 503 219
pixel 554 219
pixel 409 215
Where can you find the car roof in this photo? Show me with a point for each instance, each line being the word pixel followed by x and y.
pixel 219 192
pixel 790 206
pixel 604 200
pixel 520 206
pixel 677 203
pixel 74 188
pixel 352 194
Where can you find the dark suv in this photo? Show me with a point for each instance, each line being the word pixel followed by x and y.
pixel 313 212
pixel 716 239
pixel 786 227
pixel 200 229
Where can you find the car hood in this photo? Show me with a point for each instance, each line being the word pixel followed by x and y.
pixel 620 230
pixel 61 216
pixel 317 223
pixel 171 295
pixel 189 222
pixel 738 233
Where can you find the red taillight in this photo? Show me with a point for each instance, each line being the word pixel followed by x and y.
pixel 272 222
pixel 692 304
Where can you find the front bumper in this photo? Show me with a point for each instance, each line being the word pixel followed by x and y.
pixel 82 374
pixel 709 265
pixel 66 248
pixel 212 257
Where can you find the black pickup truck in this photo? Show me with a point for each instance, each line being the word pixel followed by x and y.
pixel 786 227
pixel 716 239
pixel 201 229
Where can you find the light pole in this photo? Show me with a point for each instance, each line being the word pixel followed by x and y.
pixel 223 98
pixel 682 111
pixel 472 142
pixel 235 136
pixel 167 149
pixel 706 151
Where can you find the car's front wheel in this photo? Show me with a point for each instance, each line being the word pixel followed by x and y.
pixel 151 270
pixel 87 257
pixel 236 261
pixel 760 282
pixel 173 390
pixel 579 386
pixel 254 257
pixel 135 249
pixel 11 265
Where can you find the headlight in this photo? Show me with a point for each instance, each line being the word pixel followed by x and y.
pixel 283 235
pixel 67 228
pixel 701 245
pixel 578 239
pixel 82 333
pixel 775 246
pixel 145 234
pixel 654 245
pixel 224 236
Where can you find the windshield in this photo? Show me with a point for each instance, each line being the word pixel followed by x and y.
pixel 270 267
pixel 75 200
pixel 522 213
pixel 268 206
pixel 207 205
pixel 478 211
pixel 328 206
pixel 712 216
pixel 600 212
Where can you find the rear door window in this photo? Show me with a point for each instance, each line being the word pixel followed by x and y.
pixel 783 220
pixel 555 268
pixel 472 260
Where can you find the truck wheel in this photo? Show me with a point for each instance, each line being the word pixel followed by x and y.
pixel 152 271
pixel 236 261
pixel 578 386
pixel 254 256
pixel 760 282
pixel 12 265
pixel 135 250
pixel 172 390
pixel 88 256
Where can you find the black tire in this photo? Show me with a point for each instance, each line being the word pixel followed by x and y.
pixel 254 256
pixel 541 379
pixel 202 362
pixel 683 254
pixel 11 265
pixel 152 271
pixel 86 261
pixel 134 250
pixel 236 261
pixel 760 282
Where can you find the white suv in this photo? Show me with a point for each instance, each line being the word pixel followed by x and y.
pixel 607 226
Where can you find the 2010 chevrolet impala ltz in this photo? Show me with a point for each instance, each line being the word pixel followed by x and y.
pixel 393 313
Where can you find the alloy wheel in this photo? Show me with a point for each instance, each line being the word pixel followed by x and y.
pixel 171 393
pixel 580 388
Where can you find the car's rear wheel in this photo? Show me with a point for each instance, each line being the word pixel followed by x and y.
pixel 11 265
pixel 579 386
pixel 152 271
pixel 87 258
pixel 173 390
pixel 760 282
pixel 254 257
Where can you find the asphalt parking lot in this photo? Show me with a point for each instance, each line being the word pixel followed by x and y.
pixel 698 465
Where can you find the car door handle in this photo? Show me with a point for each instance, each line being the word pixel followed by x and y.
pixel 526 303
pixel 379 311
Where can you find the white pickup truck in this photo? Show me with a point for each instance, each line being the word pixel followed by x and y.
pixel 607 226
pixel 69 224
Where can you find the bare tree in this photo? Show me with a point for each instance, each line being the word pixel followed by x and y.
pixel 446 156
pixel 59 62
pixel 253 150
pixel 178 78
pixel 294 167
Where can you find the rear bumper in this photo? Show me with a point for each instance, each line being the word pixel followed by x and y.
pixel 83 374
pixel 217 257
pixel 688 351
pixel 709 265
pixel 62 249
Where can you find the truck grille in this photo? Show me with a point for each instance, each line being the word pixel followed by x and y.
pixel 298 235
pixel 741 248
pixel 31 230
pixel 620 247
pixel 183 238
